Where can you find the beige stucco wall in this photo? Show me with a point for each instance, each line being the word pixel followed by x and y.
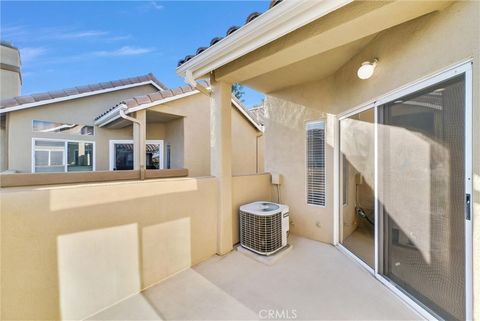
pixel 196 129
pixel 195 110
pixel 3 143
pixel 10 81
pixel 72 250
pixel 175 138
pixel 244 145
pixel 407 53
pixel 75 249
pixel 247 189
pixel 79 111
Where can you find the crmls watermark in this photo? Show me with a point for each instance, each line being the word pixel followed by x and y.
pixel 274 314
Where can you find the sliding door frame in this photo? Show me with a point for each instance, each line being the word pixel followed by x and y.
pixel 464 68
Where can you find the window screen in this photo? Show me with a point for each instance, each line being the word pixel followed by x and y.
pixel 316 163
pixel 48 156
pixel 422 195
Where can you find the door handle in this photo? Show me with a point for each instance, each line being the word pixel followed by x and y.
pixel 468 202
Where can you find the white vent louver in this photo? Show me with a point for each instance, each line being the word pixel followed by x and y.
pixel 264 227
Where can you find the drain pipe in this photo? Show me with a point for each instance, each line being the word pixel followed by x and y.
pixel 192 82
pixel 123 108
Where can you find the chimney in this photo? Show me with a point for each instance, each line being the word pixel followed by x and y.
pixel 10 74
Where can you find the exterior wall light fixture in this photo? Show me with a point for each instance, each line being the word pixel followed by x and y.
pixel 366 69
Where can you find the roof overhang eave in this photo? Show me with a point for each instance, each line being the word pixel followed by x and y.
pixel 109 117
pixel 273 24
pixel 114 114
pixel 76 96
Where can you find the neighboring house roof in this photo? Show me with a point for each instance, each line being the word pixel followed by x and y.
pixel 28 101
pixel 7 44
pixel 258 113
pixel 230 30
pixel 146 101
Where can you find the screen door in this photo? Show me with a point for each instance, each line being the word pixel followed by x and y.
pixel 421 196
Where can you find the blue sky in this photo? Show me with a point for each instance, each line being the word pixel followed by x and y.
pixel 65 44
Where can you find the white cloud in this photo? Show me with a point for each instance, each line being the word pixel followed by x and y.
pixel 9 32
pixel 146 7
pixel 118 38
pixel 29 54
pixel 155 5
pixel 123 51
pixel 82 34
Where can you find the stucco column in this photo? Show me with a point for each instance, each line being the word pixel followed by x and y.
pixel 221 159
pixel 139 140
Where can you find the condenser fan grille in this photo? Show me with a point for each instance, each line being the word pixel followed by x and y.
pixel 261 233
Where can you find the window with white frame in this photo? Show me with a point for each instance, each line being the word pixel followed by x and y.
pixel 122 158
pixel 42 126
pixel 62 156
pixel 316 182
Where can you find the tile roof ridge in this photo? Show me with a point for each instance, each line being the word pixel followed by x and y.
pixel 71 91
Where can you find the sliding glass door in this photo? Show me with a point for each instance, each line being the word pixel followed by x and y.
pixel 121 154
pixel 421 150
pixel 405 183
pixel 357 155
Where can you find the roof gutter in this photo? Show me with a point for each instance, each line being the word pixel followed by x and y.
pixel 280 20
pixel 122 114
pixel 118 112
pixel 192 82
pixel 109 117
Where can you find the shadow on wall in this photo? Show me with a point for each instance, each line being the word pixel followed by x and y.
pixel 409 166
pixel 100 267
pixel 285 153
pixel 74 251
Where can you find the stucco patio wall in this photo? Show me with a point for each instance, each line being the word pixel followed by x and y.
pixel 68 251
pixel 247 189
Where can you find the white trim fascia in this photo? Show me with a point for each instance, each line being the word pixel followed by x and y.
pixel 114 113
pixel 161 101
pixel 247 115
pixel 87 94
pixel 269 26
pixel 108 117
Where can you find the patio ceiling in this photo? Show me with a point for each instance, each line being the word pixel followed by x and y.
pixel 159 117
pixel 321 47
pixel 152 117
pixel 310 69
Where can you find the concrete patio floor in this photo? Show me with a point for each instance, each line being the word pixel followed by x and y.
pixel 313 281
